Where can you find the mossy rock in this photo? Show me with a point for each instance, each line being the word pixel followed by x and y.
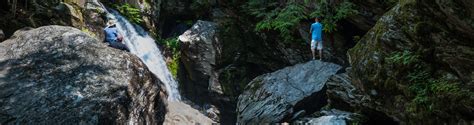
pixel 414 26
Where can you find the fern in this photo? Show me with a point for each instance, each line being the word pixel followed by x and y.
pixel 285 18
pixel 428 90
pixel 173 45
pixel 133 14
pixel 333 13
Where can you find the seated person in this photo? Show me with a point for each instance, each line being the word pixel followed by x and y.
pixel 113 37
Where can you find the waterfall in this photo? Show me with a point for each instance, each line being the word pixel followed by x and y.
pixel 142 45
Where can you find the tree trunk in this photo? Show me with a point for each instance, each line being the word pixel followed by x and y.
pixel 13 9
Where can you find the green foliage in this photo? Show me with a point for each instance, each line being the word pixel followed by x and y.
pixel 430 95
pixel 173 45
pixel 436 95
pixel 133 14
pixel 405 58
pixel 333 13
pixel 285 18
pixel 174 64
pixel 356 38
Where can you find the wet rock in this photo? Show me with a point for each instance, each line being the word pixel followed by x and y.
pixel 279 96
pixel 212 112
pixel 330 117
pixel 183 114
pixel 60 75
pixel 150 12
pixel 199 50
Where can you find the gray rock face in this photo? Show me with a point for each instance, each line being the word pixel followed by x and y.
pixel 278 96
pixel 60 75
pixel 93 21
pixel 343 94
pixel 438 36
pixel 199 50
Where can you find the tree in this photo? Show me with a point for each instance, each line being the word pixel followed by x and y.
pixel 284 17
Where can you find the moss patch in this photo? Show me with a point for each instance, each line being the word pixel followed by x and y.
pixel 430 95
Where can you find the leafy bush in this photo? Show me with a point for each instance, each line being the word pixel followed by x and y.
pixel 173 45
pixel 133 14
pixel 284 21
pixel 174 65
pixel 333 13
pixel 285 18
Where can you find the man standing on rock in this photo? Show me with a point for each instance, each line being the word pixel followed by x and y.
pixel 113 37
pixel 316 38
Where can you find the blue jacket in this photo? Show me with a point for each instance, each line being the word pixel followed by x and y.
pixel 111 34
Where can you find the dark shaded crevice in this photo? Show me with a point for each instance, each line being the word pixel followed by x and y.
pixel 226 108
pixel 350 31
pixel 377 118
pixel 174 26
pixel 309 104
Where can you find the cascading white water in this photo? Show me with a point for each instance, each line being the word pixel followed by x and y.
pixel 142 45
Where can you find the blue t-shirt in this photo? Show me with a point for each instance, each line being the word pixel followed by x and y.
pixel 317 30
pixel 111 34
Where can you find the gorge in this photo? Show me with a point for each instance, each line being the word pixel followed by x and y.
pixel 237 62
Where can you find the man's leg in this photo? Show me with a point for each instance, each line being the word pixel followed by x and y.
pixel 123 47
pixel 320 48
pixel 313 49
pixel 320 54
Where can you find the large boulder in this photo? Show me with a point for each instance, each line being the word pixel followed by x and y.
pixel 417 62
pixel 285 94
pixel 199 51
pixel 343 95
pixel 198 75
pixel 60 75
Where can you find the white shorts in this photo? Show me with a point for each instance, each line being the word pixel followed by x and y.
pixel 319 43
